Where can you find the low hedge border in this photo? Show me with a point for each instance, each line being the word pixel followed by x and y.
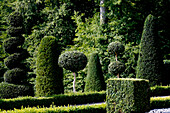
pixel 159 102
pixel 160 91
pixel 58 100
pixel 69 109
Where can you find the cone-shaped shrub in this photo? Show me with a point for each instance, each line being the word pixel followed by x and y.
pixel 73 61
pixel 49 79
pixel 95 79
pixel 150 60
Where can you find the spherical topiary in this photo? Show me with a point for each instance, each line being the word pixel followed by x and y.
pixel 116 67
pixel 10 45
pixel 15 19
pixel 95 79
pixel 73 61
pixel 150 61
pixel 8 90
pixel 49 79
pixel 15 76
pixel 115 47
pixel 15 31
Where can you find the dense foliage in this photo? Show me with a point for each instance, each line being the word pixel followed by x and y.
pixel 49 79
pixel 150 60
pixel 95 79
pixel 116 67
pixel 127 95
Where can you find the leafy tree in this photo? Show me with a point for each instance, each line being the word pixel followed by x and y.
pixel 73 61
pixel 150 58
pixel 95 79
pixel 49 79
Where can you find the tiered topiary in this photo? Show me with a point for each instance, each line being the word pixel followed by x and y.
pixel 95 79
pixel 116 67
pixel 150 60
pixel 73 61
pixel 16 76
pixel 49 79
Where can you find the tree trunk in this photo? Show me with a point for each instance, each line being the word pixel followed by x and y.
pixel 102 12
pixel 74 82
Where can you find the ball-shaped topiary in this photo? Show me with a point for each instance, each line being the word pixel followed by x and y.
pixel 10 45
pixel 15 19
pixel 116 67
pixel 150 61
pixel 73 61
pixel 95 79
pixel 115 47
pixel 15 31
pixel 15 76
pixel 8 90
pixel 49 79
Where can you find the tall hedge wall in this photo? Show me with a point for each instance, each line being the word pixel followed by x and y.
pixel 49 79
pixel 150 60
pixel 127 95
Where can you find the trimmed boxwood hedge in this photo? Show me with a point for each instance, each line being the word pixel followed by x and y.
pixel 127 95
pixel 160 91
pixel 8 90
pixel 69 109
pixel 49 79
pixel 58 100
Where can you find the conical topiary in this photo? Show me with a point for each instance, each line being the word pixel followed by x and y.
pixel 95 79
pixel 150 60
pixel 49 79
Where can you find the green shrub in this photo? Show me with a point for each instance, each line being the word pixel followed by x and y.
pixel 95 79
pixel 116 67
pixel 10 44
pixel 15 31
pixel 58 100
pixel 115 47
pixel 150 59
pixel 166 72
pixel 160 91
pixel 15 19
pixel 12 91
pixel 127 95
pixel 49 78
pixel 70 109
pixel 73 61
pixel 15 76
pixel 159 102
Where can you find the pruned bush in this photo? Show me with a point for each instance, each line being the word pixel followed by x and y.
pixel 115 47
pixel 15 19
pixel 166 72
pixel 10 45
pixel 15 76
pixel 116 67
pixel 49 79
pixel 95 79
pixel 15 31
pixel 73 61
pixel 8 90
pixel 127 95
pixel 150 61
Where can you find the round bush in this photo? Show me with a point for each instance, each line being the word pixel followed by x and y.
pixel 15 31
pixel 10 45
pixel 15 19
pixel 115 47
pixel 13 60
pixel 73 61
pixel 12 91
pixel 116 67
pixel 15 76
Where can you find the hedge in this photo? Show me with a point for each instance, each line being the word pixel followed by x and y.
pixel 69 109
pixel 159 102
pixel 160 91
pixel 127 95
pixel 58 100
